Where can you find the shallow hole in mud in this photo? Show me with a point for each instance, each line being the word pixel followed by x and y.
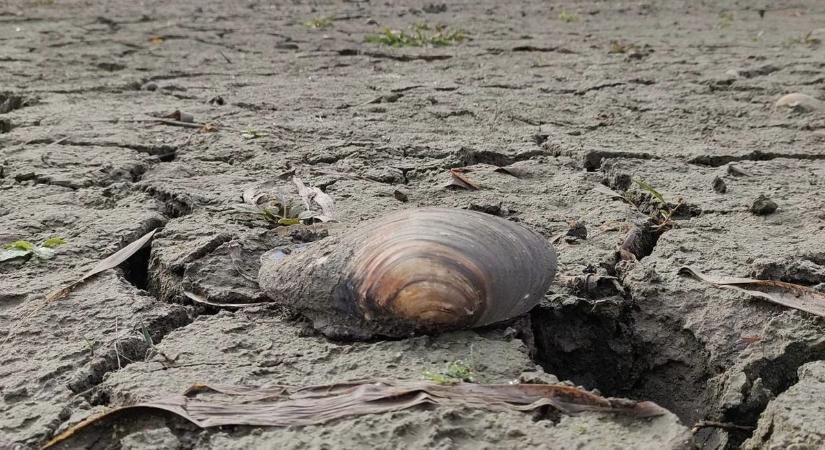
pixel 136 268
pixel 596 344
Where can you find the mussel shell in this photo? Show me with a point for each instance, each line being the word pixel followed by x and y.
pixel 417 270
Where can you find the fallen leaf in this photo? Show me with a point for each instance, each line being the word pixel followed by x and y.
pixel 460 180
pixel 602 189
pixel 318 196
pixel 203 301
pixel 109 263
pixel 799 102
pixel 779 292
pixel 281 405
pixel 253 195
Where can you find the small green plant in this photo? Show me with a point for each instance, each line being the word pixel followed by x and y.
pixel 278 210
pixel 456 372
pixel 661 212
pixel 24 249
pixel 283 212
pixel 251 133
pixel 420 35
pixel 568 17
pixel 319 23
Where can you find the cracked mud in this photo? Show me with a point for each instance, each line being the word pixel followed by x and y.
pixel 542 104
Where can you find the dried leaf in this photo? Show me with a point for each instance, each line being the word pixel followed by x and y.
pixel 253 195
pixel 779 292
pixel 203 301
pixel 516 171
pixel 326 203
pixel 460 180
pixel 318 196
pixel 9 254
pixel 602 189
pixel 303 191
pixel 109 263
pixel 280 405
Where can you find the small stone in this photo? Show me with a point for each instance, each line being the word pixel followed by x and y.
pixel 719 185
pixel 150 86
pixel 763 206
pixel 5 125
pixel 217 100
pixel 577 229
pixel 400 195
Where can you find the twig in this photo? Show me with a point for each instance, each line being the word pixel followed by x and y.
pixel 117 340
pixel 721 425
pixel 180 124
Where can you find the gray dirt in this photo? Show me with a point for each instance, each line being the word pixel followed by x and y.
pixel 677 93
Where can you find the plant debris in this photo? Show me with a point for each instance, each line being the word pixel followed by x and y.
pixel 779 292
pixel 421 35
pixel 455 372
pixel 281 210
pixel 282 405
pixel 459 180
pixel 25 249
pixel 111 262
pixel 319 23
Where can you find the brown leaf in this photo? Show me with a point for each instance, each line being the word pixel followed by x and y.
pixel 282 405
pixel 460 180
pixel 779 292
pixel 109 263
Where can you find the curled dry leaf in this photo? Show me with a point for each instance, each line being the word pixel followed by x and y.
pixel 322 199
pixel 109 263
pixel 779 292
pixel 458 179
pixel 281 405
pixel 799 102
pixel 255 194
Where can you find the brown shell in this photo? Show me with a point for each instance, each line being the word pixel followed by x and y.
pixel 417 270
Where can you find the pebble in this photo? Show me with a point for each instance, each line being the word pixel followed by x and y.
pixel 763 206
pixel 719 185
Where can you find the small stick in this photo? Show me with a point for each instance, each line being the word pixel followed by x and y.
pixel 117 340
pixel 722 425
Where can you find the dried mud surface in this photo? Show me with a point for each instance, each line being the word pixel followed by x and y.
pixel 683 99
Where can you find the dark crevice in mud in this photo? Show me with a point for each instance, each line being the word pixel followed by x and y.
pixel 174 205
pixel 602 344
pixel 10 102
pixel 136 268
pixel 766 379
pixel 130 346
pixel 721 160
pixel 592 160
pixel 159 151
pixel 468 157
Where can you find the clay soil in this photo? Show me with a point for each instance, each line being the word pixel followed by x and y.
pixel 564 96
